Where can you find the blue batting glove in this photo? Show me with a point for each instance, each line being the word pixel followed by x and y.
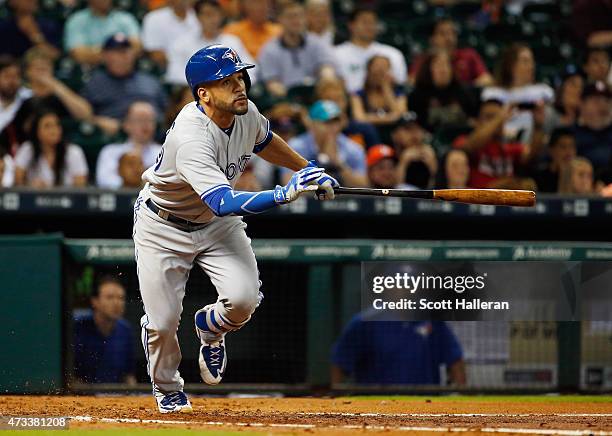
pixel 325 187
pixel 301 181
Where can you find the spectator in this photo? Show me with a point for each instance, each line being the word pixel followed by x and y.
pixel 130 169
pixel 438 98
pixel 23 29
pixel 516 85
pixel 592 22
pixel 382 167
pixel 381 101
pixel 103 340
pixel 342 158
pixel 594 128
pixel 417 162
pixel 352 56
pixel 493 159
pixel 47 93
pixel 597 65
pixel 567 102
pixel 7 170
pixel 88 29
pixel 12 93
pixel 139 124
pixel 455 172
pixel 210 17
pixel 468 67
pixel 562 149
pixel 162 27
pixel 320 20
pixel 178 99
pixel 47 160
pixel 365 134
pixel 295 57
pixel 255 29
pixel 576 177
pixel 113 90
pixel 393 352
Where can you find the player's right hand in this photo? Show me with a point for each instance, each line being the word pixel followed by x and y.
pixel 302 181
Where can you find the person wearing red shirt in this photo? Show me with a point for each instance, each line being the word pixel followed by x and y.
pixel 468 66
pixel 493 161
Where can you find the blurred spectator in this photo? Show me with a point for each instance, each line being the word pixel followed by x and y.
pixel 130 170
pixel 139 124
pixel 594 128
pixel 48 93
pixel 562 149
pixel 47 160
pixel 515 80
pixel 178 99
pixel 597 65
pixel 111 91
pixel 592 22
pixel 567 102
pixel 455 173
pixel 88 29
pixel 381 101
pixel 295 57
pixel 103 340
pixel 438 98
pixel 255 29
pixel 382 167
pixel 364 134
pixel 417 162
pixel 393 352
pixel 162 27
pixel 492 158
pixel 210 17
pixel 22 29
pixel 12 93
pixel 7 170
pixel 324 142
pixel 468 66
pixel 353 55
pixel 576 177
pixel 320 20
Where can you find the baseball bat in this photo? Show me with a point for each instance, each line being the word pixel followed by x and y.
pixel 495 197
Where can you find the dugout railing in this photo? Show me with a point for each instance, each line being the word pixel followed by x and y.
pixel 312 290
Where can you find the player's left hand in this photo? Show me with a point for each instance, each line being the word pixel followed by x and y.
pixel 326 185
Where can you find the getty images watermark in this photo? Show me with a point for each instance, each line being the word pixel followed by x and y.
pixel 424 282
pixel 493 291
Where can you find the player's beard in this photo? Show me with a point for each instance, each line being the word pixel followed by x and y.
pixel 232 107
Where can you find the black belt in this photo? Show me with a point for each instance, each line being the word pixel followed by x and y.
pixel 189 225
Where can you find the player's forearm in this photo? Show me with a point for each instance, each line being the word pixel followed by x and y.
pixel 279 153
pixel 225 201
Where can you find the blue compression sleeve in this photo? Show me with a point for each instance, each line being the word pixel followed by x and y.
pixel 225 201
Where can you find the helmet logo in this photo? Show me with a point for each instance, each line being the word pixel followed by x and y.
pixel 231 55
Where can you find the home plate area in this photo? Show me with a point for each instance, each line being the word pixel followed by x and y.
pixel 341 415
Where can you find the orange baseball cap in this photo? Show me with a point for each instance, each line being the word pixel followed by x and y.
pixel 378 152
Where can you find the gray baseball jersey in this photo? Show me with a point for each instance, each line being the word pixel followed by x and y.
pixel 198 157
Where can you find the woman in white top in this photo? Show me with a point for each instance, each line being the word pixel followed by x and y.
pixel 47 160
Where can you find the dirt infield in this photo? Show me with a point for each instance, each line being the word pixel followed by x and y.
pixel 422 415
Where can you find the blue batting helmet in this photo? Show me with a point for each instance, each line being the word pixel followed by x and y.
pixel 214 62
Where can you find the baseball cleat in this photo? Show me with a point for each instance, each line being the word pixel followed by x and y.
pixel 212 360
pixel 173 402
pixel 213 356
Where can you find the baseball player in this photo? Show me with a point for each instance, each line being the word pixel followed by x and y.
pixel 189 213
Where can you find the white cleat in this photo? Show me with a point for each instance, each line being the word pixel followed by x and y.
pixel 173 402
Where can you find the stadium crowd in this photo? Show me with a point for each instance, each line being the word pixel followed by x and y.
pixel 395 93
